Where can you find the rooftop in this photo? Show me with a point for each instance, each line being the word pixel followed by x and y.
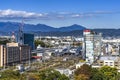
pixel 109 58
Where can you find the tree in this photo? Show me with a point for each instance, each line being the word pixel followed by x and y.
pixel 50 74
pixel 41 43
pixel 38 42
pixel 84 70
pixel 110 73
pixel 63 77
pixel 4 42
pixel 81 77
pixel 33 77
pixel 98 76
pixel 10 75
pixel 118 76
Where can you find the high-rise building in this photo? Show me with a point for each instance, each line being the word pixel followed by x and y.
pixel 91 45
pixel 28 39
pixel 14 53
pixel 25 53
pixel 2 55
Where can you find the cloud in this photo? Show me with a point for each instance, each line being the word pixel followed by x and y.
pixel 10 14
pixel 13 14
pixel 91 14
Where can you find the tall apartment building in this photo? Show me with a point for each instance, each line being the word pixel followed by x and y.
pixel 25 53
pixel 2 55
pixel 13 53
pixel 91 45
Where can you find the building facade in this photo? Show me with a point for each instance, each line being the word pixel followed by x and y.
pixel 25 53
pixel 2 55
pixel 28 39
pixel 112 61
pixel 91 45
pixel 13 53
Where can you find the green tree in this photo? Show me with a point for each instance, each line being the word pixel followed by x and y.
pixel 10 75
pixel 98 76
pixel 110 73
pixel 63 77
pixel 4 42
pixel 85 72
pixel 118 76
pixel 32 77
pixel 38 42
pixel 41 43
pixel 50 74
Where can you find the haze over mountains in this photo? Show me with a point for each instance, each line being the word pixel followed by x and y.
pixel 44 30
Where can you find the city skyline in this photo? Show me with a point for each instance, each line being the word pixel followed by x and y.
pixel 91 14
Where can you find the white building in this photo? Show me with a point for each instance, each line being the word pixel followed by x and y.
pixel 113 61
pixel 91 45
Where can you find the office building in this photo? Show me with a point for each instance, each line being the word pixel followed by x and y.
pixel 28 39
pixel 14 53
pixel 25 53
pixel 91 45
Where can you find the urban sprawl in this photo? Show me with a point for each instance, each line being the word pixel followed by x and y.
pixel 30 55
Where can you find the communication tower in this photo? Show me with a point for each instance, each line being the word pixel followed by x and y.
pixel 20 33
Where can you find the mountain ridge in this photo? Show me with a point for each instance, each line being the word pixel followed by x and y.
pixel 14 26
pixel 73 30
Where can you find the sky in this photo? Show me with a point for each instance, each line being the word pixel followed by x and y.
pixel 59 13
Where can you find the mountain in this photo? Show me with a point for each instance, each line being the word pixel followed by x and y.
pixel 115 33
pixel 44 30
pixel 59 33
pixel 108 32
pixel 14 26
pixel 9 26
pixel 71 28
pixel 38 27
